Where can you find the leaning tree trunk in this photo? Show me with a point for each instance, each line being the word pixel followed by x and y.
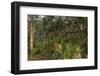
pixel 30 38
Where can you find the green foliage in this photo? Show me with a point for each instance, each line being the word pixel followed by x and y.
pixel 58 37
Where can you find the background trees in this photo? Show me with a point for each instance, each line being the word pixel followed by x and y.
pixel 57 37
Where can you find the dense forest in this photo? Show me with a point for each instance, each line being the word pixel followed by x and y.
pixel 57 37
